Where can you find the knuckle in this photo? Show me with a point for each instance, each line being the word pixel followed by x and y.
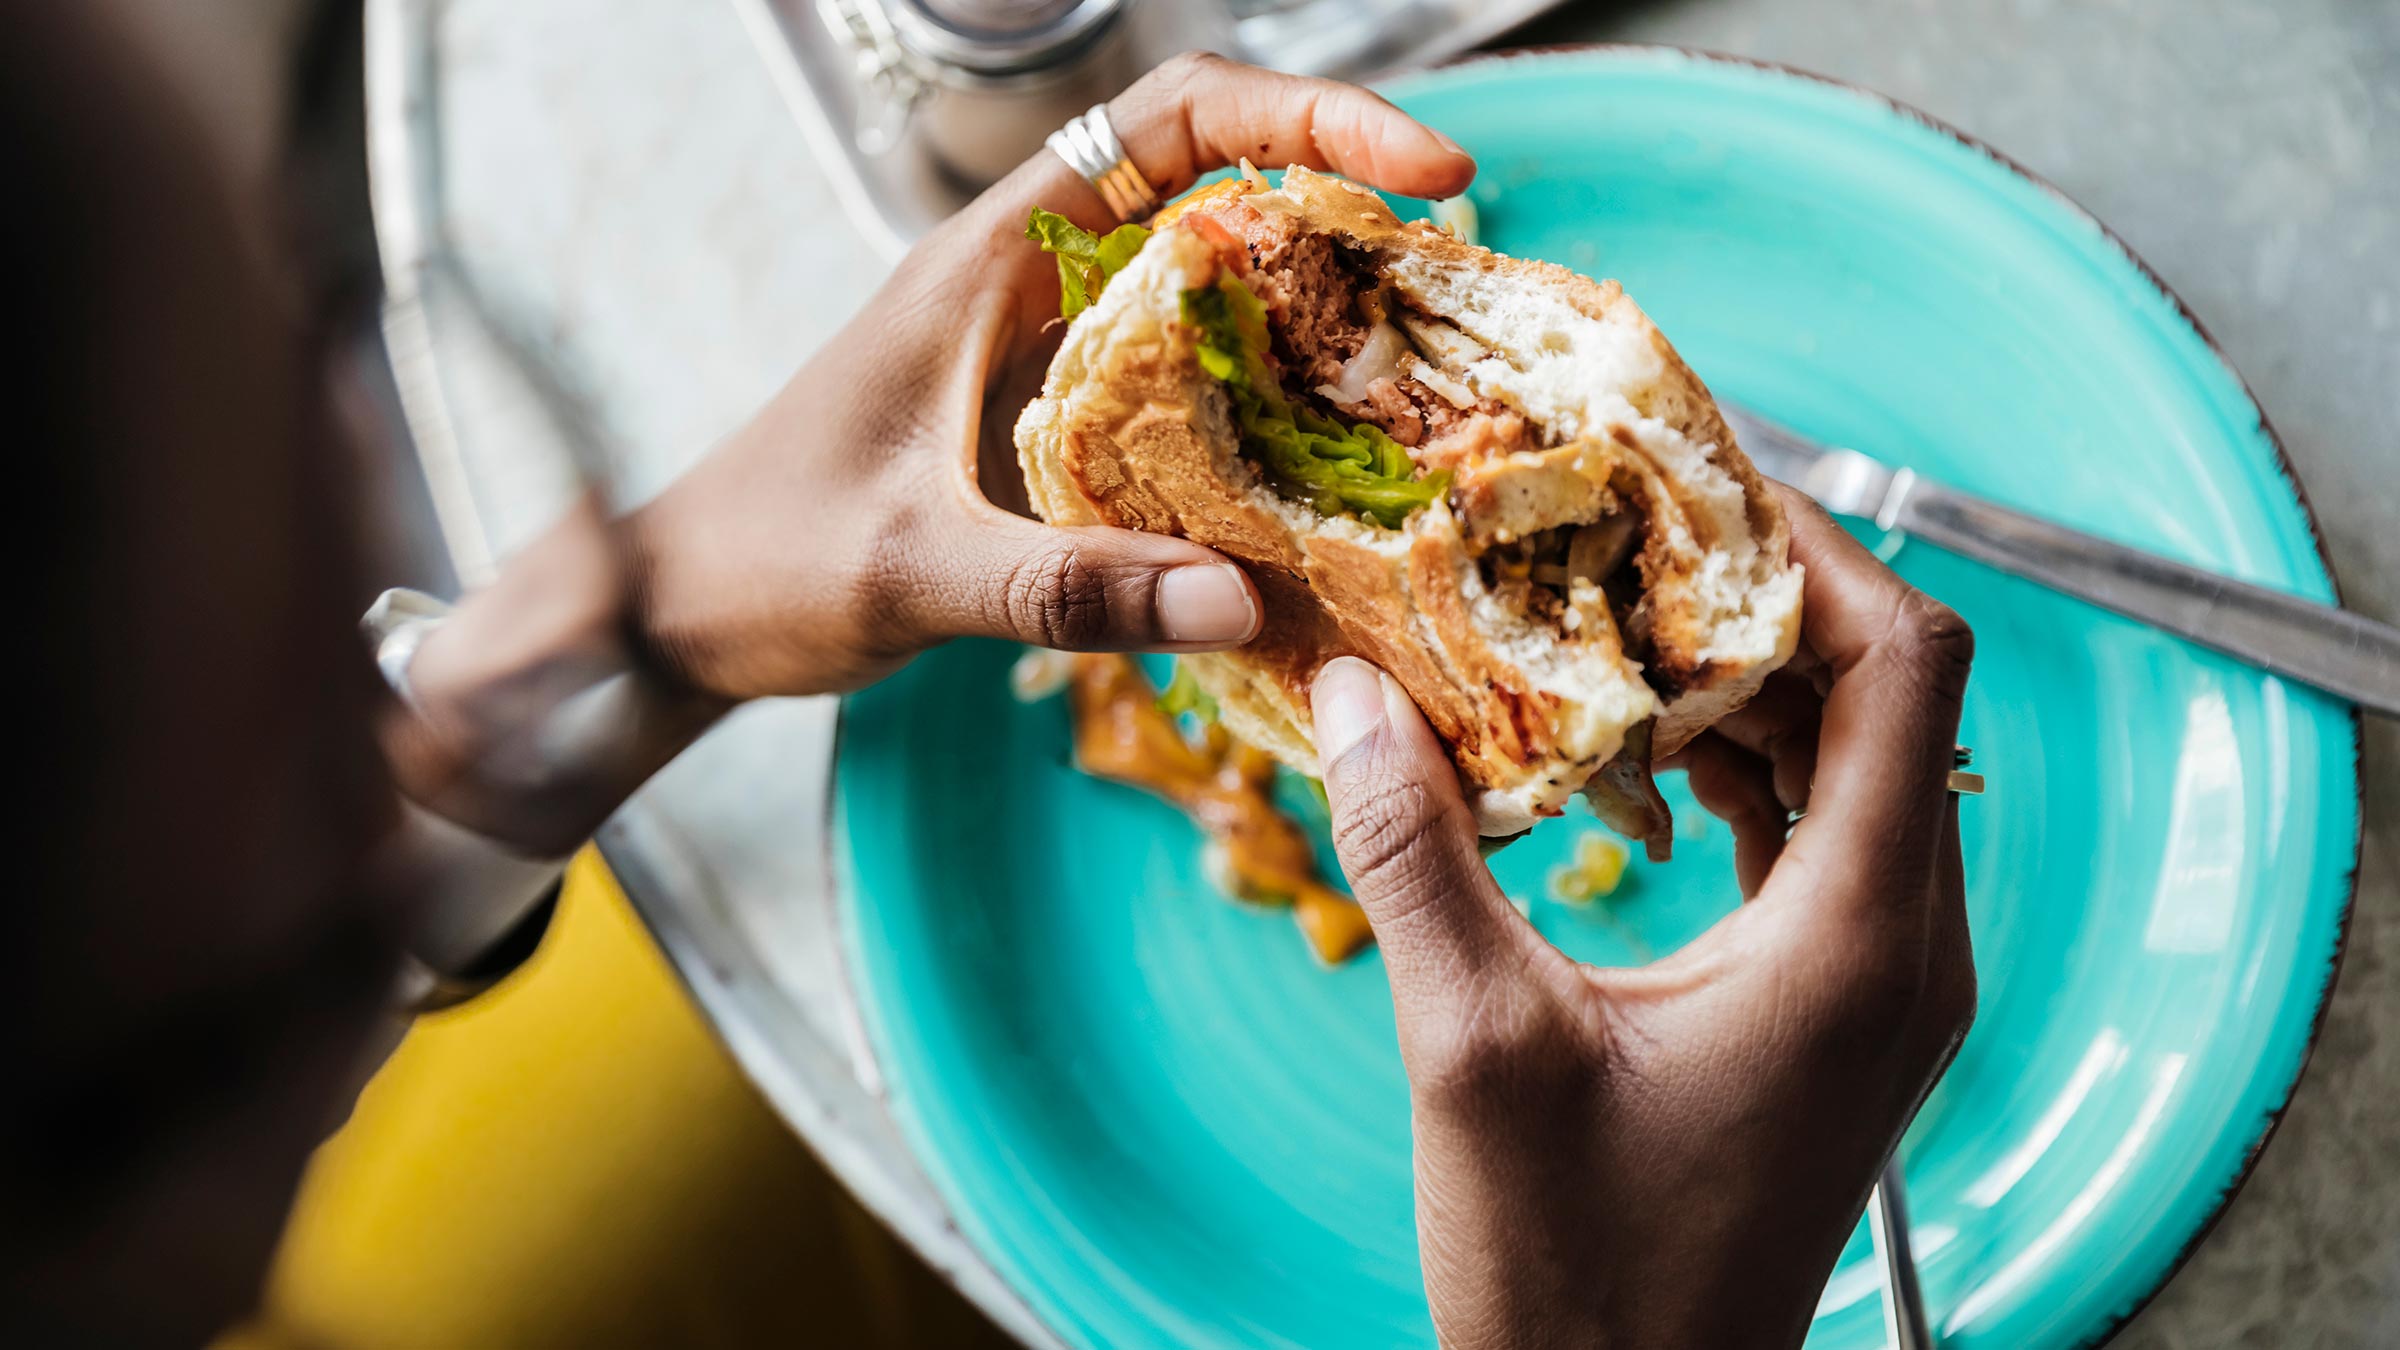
pixel 1501 1052
pixel 1876 998
pixel 855 625
pixel 1058 598
pixel 1951 999
pixel 1906 1000
pixel 1935 637
pixel 1936 1022
pixel 890 563
pixel 1805 514
pixel 887 549
pixel 1384 819
pixel 1789 741
pixel 1187 67
pixel 1174 77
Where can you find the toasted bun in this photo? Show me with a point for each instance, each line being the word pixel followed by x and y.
pixel 1129 431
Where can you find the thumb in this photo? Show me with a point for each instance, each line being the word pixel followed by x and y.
pixel 1086 588
pixel 1406 839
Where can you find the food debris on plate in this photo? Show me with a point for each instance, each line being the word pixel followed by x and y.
pixel 1597 868
pixel 1127 732
pixel 1040 673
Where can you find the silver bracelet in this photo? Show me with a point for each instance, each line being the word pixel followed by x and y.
pixel 483 905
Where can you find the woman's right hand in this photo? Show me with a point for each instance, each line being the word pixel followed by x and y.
pixel 864 515
pixel 1674 1155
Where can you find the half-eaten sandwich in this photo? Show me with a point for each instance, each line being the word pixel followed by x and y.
pixel 1491 477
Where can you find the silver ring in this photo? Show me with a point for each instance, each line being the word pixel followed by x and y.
pixel 1090 147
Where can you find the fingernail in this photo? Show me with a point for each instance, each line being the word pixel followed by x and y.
pixel 1450 145
pixel 1207 603
pixel 1398 707
pixel 1348 703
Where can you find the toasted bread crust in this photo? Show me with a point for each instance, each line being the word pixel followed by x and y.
pixel 1130 432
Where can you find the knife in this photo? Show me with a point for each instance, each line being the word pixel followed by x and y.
pixel 2323 646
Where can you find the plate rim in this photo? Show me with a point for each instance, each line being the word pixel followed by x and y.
pixel 2117 1319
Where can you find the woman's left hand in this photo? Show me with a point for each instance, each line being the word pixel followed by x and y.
pixel 1673 1155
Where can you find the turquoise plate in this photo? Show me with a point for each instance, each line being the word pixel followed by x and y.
pixel 1165 1125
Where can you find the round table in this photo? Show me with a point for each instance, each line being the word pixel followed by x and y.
pixel 627 243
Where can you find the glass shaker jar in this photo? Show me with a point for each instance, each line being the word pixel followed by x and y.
pixel 979 82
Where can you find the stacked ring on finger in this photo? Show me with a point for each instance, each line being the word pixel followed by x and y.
pixel 1961 782
pixel 1090 147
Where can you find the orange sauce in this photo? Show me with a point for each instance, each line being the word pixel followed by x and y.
pixel 1226 787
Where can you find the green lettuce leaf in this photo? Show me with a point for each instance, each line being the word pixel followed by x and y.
pixel 1233 336
pixel 1355 470
pixel 1183 694
pixel 1087 262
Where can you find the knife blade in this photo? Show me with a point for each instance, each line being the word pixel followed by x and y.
pixel 2319 645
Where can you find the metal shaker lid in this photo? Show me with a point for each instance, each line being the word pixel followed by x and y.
pixel 1000 37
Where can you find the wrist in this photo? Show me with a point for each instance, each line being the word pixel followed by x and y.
pixel 1553 1241
pixel 531 711
pixel 1613 1304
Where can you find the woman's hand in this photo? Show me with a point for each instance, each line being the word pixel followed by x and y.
pixel 849 527
pixel 862 516
pixel 1674 1155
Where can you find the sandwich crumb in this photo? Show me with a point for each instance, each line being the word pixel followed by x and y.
pixel 1597 868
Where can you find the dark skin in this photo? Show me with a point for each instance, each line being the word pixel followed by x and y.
pixel 1602 1154
pixel 198 975
pixel 852 523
